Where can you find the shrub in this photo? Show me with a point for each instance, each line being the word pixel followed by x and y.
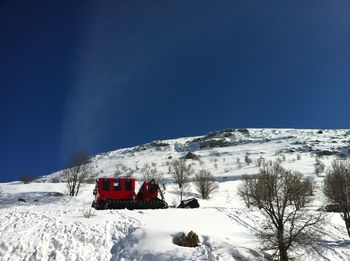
pixel 247 159
pixel 205 183
pixel 26 179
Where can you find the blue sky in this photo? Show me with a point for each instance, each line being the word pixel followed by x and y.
pixel 102 75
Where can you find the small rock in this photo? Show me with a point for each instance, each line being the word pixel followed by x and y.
pixel 191 240
pixel 191 156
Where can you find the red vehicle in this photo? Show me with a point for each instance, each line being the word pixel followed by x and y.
pixel 119 193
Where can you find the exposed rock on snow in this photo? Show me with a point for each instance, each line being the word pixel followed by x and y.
pixel 189 240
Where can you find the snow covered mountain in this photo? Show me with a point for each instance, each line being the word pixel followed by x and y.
pixel 218 151
pixel 46 225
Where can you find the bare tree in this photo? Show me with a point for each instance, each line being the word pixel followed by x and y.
pixel 181 173
pixel 280 194
pixel 337 188
pixel 205 183
pixel 78 170
pixel 150 173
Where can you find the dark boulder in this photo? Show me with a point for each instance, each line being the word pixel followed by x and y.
pixel 191 156
pixel 189 240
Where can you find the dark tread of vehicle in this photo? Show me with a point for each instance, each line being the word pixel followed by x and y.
pixel 130 204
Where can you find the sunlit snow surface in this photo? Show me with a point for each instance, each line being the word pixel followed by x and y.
pixel 49 226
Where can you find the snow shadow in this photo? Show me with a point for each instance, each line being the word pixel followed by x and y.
pixel 132 248
pixel 30 198
pixel 234 178
pixel 327 244
pixel 129 248
pixel 336 248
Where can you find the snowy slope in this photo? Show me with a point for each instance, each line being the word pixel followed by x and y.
pixel 51 226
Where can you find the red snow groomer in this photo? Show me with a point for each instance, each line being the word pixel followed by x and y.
pixel 119 193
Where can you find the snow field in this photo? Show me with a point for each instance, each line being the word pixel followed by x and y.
pixel 52 227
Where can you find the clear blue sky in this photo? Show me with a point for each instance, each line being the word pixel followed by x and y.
pixel 102 75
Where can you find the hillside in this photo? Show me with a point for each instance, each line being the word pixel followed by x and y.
pixel 45 224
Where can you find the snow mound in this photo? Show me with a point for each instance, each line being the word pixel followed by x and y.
pixel 30 234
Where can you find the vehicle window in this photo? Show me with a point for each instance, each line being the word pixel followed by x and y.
pixel 128 185
pixel 116 185
pixel 105 185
